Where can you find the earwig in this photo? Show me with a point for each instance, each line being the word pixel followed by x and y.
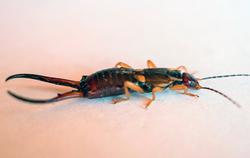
pixel 123 79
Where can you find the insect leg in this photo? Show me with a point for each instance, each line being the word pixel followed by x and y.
pixel 183 68
pixel 128 85
pixel 121 64
pixel 184 88
pixel 180 68
pixel 140 78
pixel 150 64
pixel 155 89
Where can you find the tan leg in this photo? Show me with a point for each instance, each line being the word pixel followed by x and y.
pixel 121 64
pixel 184 88
pixel 150 64
pixel 128 85
pixel 189 94
pixel 183 68
pixel 163 85
pixel 140 78
pixel 155 89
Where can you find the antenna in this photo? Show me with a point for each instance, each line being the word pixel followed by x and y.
pixel 224 95
pixel 223 76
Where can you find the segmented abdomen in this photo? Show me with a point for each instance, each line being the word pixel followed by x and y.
pixel 107 82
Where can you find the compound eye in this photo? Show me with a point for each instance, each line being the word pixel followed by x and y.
pixel 191 83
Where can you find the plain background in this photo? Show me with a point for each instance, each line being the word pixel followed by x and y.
pixel 70 38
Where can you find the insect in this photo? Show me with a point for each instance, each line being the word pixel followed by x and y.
pixel 123 79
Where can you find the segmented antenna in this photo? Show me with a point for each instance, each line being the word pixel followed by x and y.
pixel 222 76
pixel 224 95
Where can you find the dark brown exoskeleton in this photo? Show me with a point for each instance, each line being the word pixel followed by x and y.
pixel 123 79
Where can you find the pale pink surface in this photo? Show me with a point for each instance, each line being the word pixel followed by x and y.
pixel 70 38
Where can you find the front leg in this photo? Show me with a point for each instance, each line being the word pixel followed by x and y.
pixel 184 88
pixel 180 68
pixel 123 65
pixel 183 68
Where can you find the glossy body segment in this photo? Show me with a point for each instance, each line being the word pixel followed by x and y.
pixel 107 82
pixel 161 75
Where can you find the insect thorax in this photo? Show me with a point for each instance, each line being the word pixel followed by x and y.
pixel 161 75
